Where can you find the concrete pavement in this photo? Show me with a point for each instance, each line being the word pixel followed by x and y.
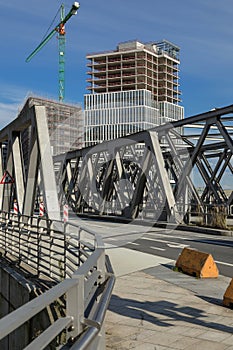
pixel 156 308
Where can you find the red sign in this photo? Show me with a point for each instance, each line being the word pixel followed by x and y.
pixel 7 179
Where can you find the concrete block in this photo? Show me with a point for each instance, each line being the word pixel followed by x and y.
pixel 228 296
pixel 198 264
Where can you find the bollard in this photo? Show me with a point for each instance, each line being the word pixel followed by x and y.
pixel 16 208
pixel 197 264
pixel 228 296
pixel 65 213
pixel 41 212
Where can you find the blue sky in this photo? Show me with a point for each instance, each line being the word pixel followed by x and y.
pixel 202 29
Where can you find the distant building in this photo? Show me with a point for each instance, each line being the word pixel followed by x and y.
pixel 65 123
pixel 132 88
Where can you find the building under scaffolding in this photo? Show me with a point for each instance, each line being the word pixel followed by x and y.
pixel 65 125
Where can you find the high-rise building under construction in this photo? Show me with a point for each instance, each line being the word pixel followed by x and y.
pixel 132 88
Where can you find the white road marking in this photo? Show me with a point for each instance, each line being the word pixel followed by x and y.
pixel 157 248
pixel 174 245
pixel 185 237
pixel 153 239
pixel 223 263
pixel 168 243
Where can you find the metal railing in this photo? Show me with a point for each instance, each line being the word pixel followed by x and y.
pixel 74 258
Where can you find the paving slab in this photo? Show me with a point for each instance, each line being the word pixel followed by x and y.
pixel 125 261
pixel 157 308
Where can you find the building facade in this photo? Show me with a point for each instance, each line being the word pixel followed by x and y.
pixel 65 124
pixel 132 88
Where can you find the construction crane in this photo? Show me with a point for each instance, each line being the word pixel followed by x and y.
pixel 60 29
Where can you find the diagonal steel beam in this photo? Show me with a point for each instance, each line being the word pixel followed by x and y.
pixel 181 166
pixel 163 177
pixel 212 179
pixel 189 163
pixel 46 164
pixel 140 186
pixel 8 188
pixel 202 117
pixel 18 170
pixel 205 177
pixel 32 177
pixel 225 134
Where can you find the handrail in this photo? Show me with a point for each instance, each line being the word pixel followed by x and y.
pixel 92 276
pixel 18 317
pixel 95 324
pixel 48 247
pixel 45 338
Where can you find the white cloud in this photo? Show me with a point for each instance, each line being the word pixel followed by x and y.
pixel 11 101
pixel 202 29
pixel 8 112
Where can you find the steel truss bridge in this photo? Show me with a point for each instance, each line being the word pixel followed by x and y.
pixel 160 174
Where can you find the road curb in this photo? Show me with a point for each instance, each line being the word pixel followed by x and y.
pixel 165 225
pixel 206 230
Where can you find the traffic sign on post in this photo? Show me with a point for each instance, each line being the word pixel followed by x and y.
pixel 7 178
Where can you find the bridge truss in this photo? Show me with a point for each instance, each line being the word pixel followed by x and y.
pixel 160 174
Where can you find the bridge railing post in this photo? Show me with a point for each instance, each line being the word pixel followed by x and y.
pixel 3 230
pixel 101 267
pixel 75 307
pixel 58 249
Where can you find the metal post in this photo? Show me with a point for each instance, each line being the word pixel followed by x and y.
pixel 75 307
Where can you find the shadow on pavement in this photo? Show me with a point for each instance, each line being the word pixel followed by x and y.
pixel 163 313
pixel 211 300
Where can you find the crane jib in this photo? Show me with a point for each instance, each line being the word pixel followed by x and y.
pixel 72 12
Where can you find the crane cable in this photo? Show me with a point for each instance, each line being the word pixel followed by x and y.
pixel 52 24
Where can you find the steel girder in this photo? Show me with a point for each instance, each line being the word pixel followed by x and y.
pixel 152 173
pixel 121 180
pixel 26 158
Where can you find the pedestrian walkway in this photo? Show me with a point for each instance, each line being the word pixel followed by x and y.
pixel 156 308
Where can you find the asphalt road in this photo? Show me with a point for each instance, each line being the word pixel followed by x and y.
pixel 164 243
pixel 170 244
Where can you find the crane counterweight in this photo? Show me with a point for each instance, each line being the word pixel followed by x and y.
pixel 75 8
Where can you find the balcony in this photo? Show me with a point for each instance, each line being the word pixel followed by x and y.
pixel 114 59
pixel 101 74
pixel 167 66
pixel 114 67
pixel 128 82
pixel 141 64
pixel 97 70
pixel 128 58
pixel 96 81
pixel 115 83
pixel 128 74
pixel 93 64
pixel 114 76
pixel 128 66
